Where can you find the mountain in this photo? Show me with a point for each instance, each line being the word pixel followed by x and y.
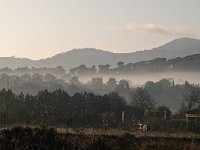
pixel 177 48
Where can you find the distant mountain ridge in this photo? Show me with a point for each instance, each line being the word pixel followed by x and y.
pixel 177 48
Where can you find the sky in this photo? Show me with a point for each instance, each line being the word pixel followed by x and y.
pixel 42 28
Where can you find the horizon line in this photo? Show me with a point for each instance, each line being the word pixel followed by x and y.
pixel 98 49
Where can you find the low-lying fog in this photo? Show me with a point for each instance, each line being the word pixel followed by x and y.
pixel 141 79
pixel 138 80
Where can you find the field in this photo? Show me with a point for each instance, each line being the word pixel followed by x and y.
pixel 25 138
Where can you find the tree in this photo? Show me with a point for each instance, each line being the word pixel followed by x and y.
pixel 192 98
pixel 163 112
pixel 37 78
pixel 112 83
pixel 59 71
pixel 120 64
pixel 4 79
pixel 117 105
pixel 151 87
pixel 104 69
pixel 96 82
pixel 75 81
pixel 165 84
pixel 6 101
pixel 123 86
pixel 49 78
pixel 26 78
pixel 142 101
pixel 92 70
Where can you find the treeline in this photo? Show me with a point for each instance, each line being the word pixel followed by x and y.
pixel 188 63
pixel 82 109
pixel 33 83
pixel 58 72
pixel 58 108
pixel 164 92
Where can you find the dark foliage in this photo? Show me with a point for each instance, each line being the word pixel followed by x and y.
pixel 59 108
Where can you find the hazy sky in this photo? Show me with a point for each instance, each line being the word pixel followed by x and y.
pixel 41 28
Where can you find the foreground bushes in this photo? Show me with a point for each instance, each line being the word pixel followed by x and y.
pixel 48 139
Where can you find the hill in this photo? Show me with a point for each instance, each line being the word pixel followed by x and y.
pixel 90 56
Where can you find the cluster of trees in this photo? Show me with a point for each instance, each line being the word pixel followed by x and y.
pixel 59 72
pixel 81 109
pixel 164 92
pixel 188 63
pixel 32 83
pixel 92 110
pixel 186 95
pixel 57 108
pixel 191 98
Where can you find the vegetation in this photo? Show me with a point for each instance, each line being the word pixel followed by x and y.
pixel 164 92
pixel 48 139
pixel 187 63
pixel 57 108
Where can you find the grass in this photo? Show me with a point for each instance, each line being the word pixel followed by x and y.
pixel 25 138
